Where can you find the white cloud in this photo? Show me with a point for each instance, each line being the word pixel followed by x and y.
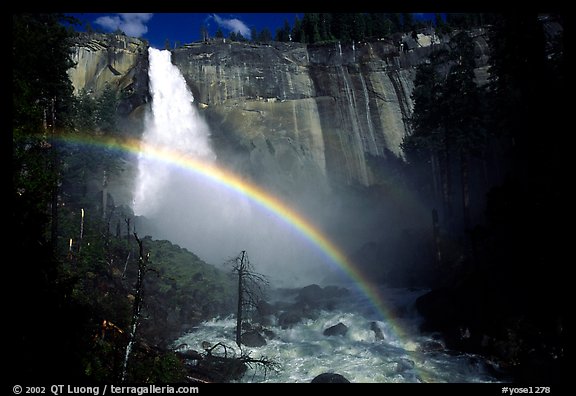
pixel 133 24
pixel 233 25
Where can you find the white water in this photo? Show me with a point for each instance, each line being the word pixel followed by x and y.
pixel 208 219
pixel 174 124
pixel 217 224
pixel 304 352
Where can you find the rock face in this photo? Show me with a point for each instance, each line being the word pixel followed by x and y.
pixel 294 117
pixel 115 61
pixel 315 115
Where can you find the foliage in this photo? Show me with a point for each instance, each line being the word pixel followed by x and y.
pixel 447 110
pixel 346 27
pixel 264 36
pixel 95 115
pixel 38 92
pixel 284 33
pixel 155 367
pixel 43 316
pixel 189 281
pixel 492 135
pixel 237 36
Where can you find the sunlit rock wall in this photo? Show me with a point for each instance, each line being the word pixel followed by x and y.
pixel 111 60
pixel 320 115
pixel 289 115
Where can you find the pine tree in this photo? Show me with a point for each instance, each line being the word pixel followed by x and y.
pixel 41 103
pixel 265 36
pixel 297 33
pixel 311 27
pixel 463 116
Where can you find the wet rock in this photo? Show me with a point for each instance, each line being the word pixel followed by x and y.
pixel 339 329
pixel 377 331
pixel 253 339
pixel 335 291
pixel 318 298
pixel 289 318
pixel 329 378
pixel 403 365
pixel 430 346
pixel 264 308
pixel 310 294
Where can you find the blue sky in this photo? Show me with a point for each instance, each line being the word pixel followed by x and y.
pixel 183 27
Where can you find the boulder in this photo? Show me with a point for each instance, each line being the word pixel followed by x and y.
pixel 264 308
pixel 310 294
pixel 339 329
pixel 329 378
pixel 253 339
pixel 289 318
pixel 377 331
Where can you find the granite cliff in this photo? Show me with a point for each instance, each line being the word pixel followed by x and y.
pixel 292 116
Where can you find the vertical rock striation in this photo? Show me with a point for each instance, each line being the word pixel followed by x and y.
pixel 294 117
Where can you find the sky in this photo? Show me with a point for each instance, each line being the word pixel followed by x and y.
pixel 183 27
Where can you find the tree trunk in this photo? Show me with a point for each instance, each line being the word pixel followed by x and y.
pixel 104 194
pixel 55 165
pixel 81 230
pixel 434 165
pixel 464 174
pixel 127 220
pixel 240 300
pixel 447 191
pixel 136 307
pixel 54 207
pixel 436 234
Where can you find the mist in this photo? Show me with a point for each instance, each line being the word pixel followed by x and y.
pixel 217 223
pixel 211 220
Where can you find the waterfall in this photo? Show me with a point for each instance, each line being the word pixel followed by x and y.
pixel 185 206
pixel 174 123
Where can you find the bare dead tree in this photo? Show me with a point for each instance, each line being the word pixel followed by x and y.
pixel 220 363
pixel 127 221
pixel 128 247
pixel 250 289
pixel 81 230
pixel 137 306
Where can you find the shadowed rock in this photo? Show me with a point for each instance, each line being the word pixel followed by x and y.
pixel 336 330
pixel 377 331
pixel 253 339
pixel 329 378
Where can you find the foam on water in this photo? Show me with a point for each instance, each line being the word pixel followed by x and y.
pixel 304 352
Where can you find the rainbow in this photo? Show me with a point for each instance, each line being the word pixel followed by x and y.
pixel 229 180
